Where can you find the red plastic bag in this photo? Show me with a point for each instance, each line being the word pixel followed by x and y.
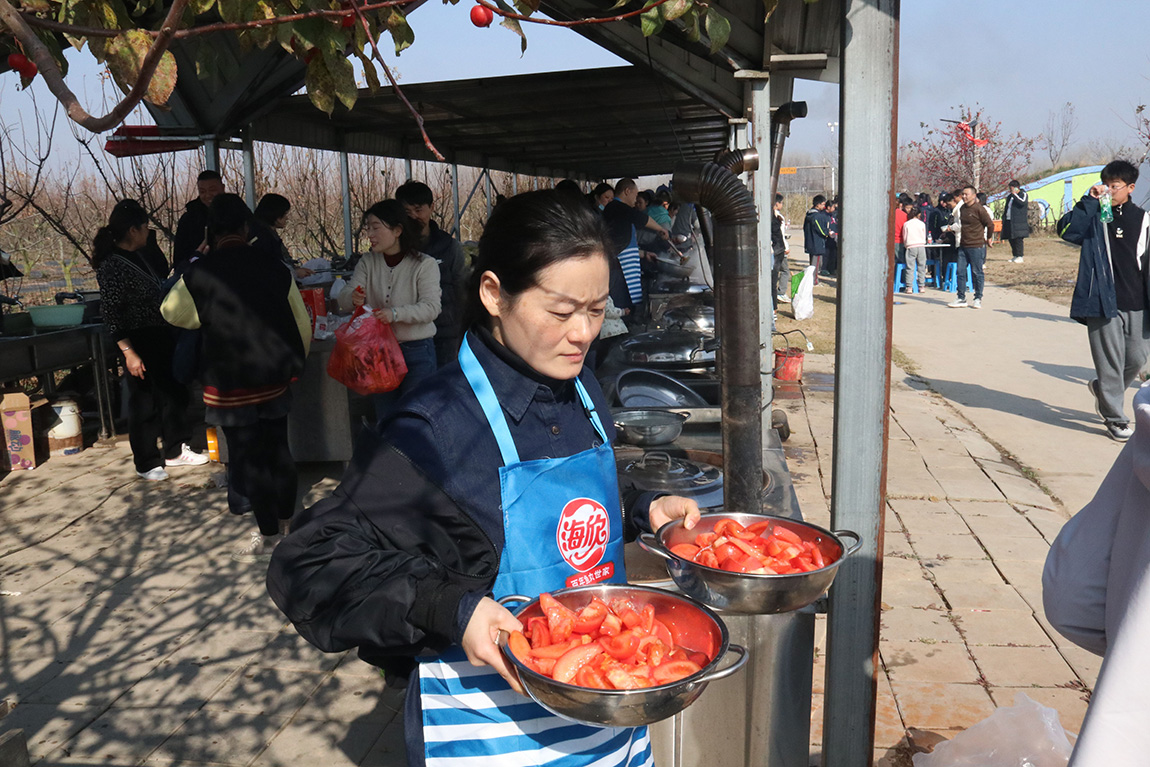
pixel 366 358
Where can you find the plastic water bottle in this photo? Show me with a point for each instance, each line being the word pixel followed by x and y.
pixel 1107 210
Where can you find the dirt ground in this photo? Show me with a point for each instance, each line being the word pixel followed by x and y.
pixel 1048 271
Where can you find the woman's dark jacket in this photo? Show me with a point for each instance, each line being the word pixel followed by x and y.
pixel 396 560
pixel 130 291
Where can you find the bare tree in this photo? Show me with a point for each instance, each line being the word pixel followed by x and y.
pixel 1059 132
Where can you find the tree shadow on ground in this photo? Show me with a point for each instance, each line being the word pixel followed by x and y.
pixel 976 396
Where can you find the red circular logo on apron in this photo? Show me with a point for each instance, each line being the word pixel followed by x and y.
pixel 584 529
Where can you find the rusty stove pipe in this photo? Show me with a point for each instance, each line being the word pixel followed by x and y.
pixel 715 186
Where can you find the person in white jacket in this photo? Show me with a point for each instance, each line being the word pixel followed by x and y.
pixel 1096 593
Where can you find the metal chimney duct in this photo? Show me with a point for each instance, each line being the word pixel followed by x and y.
pixel 716 187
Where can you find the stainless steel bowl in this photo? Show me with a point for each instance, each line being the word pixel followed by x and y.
pixel 628 708
pixel 755 594
pixel 644 427
pixel 673 266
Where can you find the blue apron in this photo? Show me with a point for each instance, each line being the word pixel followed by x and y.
pixel 563 527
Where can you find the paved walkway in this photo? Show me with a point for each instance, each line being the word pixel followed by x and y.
pixel 128 636
pixel 968 526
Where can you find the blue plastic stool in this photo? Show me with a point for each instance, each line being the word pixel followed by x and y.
pixel 899 268
pixel 934 279
pixel 951 283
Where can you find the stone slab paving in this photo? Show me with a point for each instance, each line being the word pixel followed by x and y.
pixel 965 535
pixel 128 635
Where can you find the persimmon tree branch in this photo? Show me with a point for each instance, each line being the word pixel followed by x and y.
pixel 180 34
pixel 375 54
pixel 39 53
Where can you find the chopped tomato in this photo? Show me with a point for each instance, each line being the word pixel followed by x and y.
pixel 538 632
pixel 611 626
pixel 789 536
pixel 544 665
pixel 574 659
pixel 651 651
pixel 560 620
pixel 552 651
pixel 685 550
pixel 620 606
pixel 519 645
pixel 630 618
pixel 703 540
pixel 699 658
pixel 620 679
pixel 591 676
pixel 725 552
pixel 591 617
pixel 673 671
pixel 707 558
pixel 758 527
pixel 647 618
pixel 621 647
pixel 745 547
pixel 817 558
pixel 726 526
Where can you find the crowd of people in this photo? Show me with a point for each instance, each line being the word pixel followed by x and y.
pixel 227 314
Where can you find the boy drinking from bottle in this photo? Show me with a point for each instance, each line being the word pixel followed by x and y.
pixel 1110 295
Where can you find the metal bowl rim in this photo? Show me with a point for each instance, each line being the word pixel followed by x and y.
pixel 724 635
pixel 673 418
pixel 659 537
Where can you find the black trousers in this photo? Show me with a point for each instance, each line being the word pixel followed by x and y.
pixel 157 403
pixel 261 471
pixel 1016 244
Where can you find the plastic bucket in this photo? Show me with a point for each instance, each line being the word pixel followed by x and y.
pixel 65 436
pixel 789 364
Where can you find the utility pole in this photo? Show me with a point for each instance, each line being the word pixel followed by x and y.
pixel 977 157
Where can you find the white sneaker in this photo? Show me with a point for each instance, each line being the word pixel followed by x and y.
pixel 784 298
pixel 959 304
pixel 1016 260
pixel 258 549
pixel 153 475
pixel 187 457
pixel 977 304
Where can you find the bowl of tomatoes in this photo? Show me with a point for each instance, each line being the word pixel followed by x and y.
pixel 618 655
pixel 751 563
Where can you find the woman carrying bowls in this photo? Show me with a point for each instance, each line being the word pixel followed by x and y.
pixel 401 285
pixel 497 477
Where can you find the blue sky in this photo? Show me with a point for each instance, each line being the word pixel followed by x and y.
pixel 1018 60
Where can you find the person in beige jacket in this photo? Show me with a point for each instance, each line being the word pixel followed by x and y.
pixel 401 286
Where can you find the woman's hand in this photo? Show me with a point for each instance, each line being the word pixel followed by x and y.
pixel 671 507
pixel 383 315
pixel 358 297
pixel 134 364
pixel 303 271
pixel 481 635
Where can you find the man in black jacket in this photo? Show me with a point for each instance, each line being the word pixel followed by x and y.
pixel 448 253
pixel 192 229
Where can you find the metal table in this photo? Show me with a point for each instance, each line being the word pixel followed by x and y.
pixel 43 352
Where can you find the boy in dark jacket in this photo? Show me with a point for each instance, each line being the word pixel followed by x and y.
pixel 816 231
pixel 1110 295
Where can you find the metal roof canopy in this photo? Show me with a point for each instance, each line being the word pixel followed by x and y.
pixel 595 123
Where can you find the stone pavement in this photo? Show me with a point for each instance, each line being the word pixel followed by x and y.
pixel 128 636
pixel 968 524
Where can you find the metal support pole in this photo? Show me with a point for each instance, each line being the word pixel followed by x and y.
pixel 212 154
pixel 868 139
pixel 345 187
pixel 407 169
pixel 514 184
pixel 487 190
pixel 249 170
pixel 455 231
pixel 764 202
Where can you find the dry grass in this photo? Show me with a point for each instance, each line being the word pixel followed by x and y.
pixel 1048 272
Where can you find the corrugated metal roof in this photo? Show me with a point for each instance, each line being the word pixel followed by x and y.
pixel 594 123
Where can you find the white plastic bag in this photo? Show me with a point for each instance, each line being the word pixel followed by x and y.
pixel 1026 734
pixel 803 303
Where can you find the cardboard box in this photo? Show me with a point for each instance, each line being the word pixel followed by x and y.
pixel 25 432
